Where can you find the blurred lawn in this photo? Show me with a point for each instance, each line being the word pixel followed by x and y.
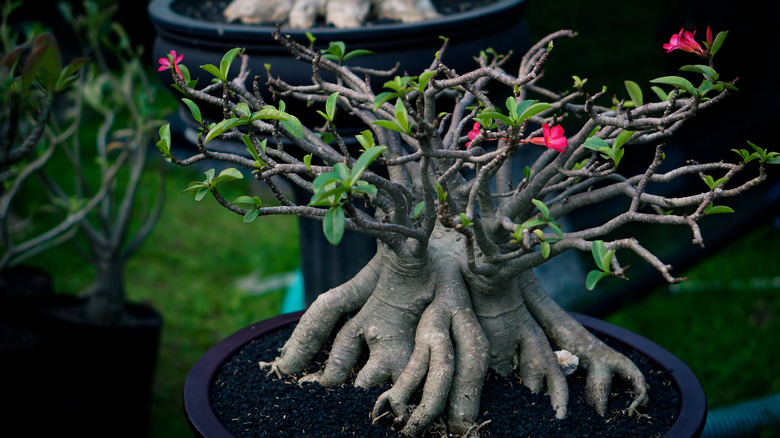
pixel 724 321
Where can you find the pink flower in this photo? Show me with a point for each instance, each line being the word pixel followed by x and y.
pixel 709 38
pixel 684 41
pixel 473 134
pixel 553 138
pixel 171 60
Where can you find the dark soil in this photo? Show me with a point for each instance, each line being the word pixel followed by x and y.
pixel 251 404
pixel 211 10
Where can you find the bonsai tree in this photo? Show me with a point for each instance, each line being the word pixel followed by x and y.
pixel 464 193
pixel 301 14
pixel 95 191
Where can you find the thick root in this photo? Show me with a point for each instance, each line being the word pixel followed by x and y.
pixel 599 361
pixel 317 324
pixel 518 343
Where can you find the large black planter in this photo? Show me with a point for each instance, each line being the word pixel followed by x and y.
pixel 501 26
pixel 204 422
pixel 88 379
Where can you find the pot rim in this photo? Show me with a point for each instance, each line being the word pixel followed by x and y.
pixel 166 20
pixel 204 422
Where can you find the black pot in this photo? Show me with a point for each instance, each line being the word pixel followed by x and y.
pixel 93 380
pixel 204 421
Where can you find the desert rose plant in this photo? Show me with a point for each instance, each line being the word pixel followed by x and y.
pixel 459 222
pixel 89 182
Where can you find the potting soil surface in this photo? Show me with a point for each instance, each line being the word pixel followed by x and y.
pixel 251 404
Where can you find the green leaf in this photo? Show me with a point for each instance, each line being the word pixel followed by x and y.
pixel 530 223
pixel 227 59
pixel 556 229
pixel 243 109
pixel 389 124
pixel 593 278
pixel 307 161
pixel 333 225
pixel 335 50
pixel 362 163
pixel 707 71
pixel 221 127
pixel 542 208
pixel 717 209
pixel 599 250
pixel 596 144
pixel 69 74
pixel 660 93
pixel 533 110
pixel 418 209
pixel 440 193
pixel 718 42
pixel 253 201
pixel 193 109
pixel 251 215
pixel 229 174
pixel 401 115
pixel 164 144
pixel 424 78
pixel 678 82
pixel 357 52
pixel 211 68
pixel 381 98
pixel 545 248
pixel 330 106
pixel 622 138
pixel 366 139
pixel 634 92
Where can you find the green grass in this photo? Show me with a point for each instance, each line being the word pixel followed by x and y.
pixel 724 322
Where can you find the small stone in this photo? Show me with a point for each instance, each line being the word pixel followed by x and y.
pixel 567 361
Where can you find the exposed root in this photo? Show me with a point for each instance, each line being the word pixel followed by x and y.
pixel 427 323
pixel 599 361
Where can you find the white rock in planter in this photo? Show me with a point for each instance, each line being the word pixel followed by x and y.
pixel 301 14
pixel 568 361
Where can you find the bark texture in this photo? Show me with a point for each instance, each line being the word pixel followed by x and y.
pixel 428 322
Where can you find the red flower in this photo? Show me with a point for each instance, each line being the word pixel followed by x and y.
pixel 473 134
pixel 171 60
pixel 684 41
pixel 553 138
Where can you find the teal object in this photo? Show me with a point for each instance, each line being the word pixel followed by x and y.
pixel 294 297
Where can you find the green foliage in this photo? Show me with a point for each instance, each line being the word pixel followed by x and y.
pixel 535 226
pixel 762 155
pixel 332 189
pixel 221 73
pixel 254 204
pixel 603 260
pixel 517 113
pixel 200 188
pixel 337 51
pixel 330 107
pixel 615 152
pixel 635 93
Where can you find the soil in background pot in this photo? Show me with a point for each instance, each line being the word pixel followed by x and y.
pixel 211 10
